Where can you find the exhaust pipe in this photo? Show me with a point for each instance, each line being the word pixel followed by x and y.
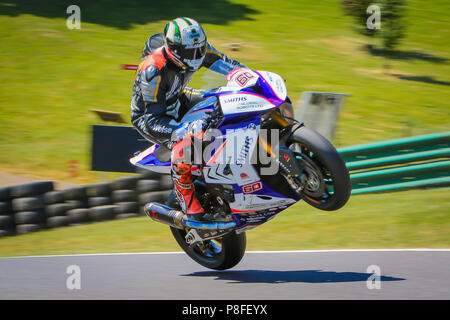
pixel 177 219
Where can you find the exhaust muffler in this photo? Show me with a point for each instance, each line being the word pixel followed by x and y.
pixel 177 219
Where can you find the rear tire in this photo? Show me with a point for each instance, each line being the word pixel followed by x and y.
pixel 232 245
pixel 330 164
pixel 232 250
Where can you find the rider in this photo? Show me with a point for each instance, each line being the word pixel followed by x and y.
pixel 161 98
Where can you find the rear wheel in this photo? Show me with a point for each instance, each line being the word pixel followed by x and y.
pixel 219 254
pixel 326 184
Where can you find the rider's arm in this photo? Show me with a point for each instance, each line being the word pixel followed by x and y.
pixel 153 42
pixel 148 110
pixel 219 62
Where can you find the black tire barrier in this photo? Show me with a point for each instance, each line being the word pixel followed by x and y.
pixel 126 207
pixel 147 174
pixel 77 204
pixel 147 185
pixel 5 208
pixel 156 196
pixel 166 182
pixel 57 209
pixel 77 216
pixel 5 194
pixel 102 213
pixel 7 232
pixel 126 215
pixel 124 196
pixel 99 201
pixel 34 206
pixel 57 222
pixel 102 189
pixel 125 183
pixel 28 228
pixel 31 189
pixel 29 203
pixel 30 217
pixel 75 193
pixel 53 197
pixel 6 222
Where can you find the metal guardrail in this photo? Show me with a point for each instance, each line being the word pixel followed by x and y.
pixel 415 162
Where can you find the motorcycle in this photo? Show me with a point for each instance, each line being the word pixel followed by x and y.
pixel 275 162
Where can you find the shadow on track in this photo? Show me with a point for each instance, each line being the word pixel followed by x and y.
pixel 270 276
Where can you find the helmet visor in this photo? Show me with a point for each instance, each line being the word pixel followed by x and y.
pixel 194 53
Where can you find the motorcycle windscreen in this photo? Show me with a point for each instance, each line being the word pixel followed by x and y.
pixel 272 85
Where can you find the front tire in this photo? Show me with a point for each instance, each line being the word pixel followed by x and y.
pixel 329 185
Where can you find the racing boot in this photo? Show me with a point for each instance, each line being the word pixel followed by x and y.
pixel 183 184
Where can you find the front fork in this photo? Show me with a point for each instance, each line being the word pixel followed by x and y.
pixel 290 168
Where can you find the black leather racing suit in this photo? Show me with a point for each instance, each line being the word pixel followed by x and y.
pixel 160 96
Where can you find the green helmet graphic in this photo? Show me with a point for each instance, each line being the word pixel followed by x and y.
pixel 185 43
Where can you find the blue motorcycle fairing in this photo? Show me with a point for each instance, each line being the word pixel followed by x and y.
pixel 148 158
pixel 249 217
pixel 199 110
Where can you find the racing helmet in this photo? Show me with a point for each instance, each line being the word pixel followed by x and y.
pixel 185 43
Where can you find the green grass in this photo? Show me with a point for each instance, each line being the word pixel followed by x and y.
pixel 51 76
pixel 409 219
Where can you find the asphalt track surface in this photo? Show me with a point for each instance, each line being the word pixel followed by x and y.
pixel 288 275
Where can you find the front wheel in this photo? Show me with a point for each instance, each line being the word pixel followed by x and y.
pixel 326 181
pixel 219 254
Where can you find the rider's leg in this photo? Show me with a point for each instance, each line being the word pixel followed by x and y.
pixel 182 160
pixel 182 179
